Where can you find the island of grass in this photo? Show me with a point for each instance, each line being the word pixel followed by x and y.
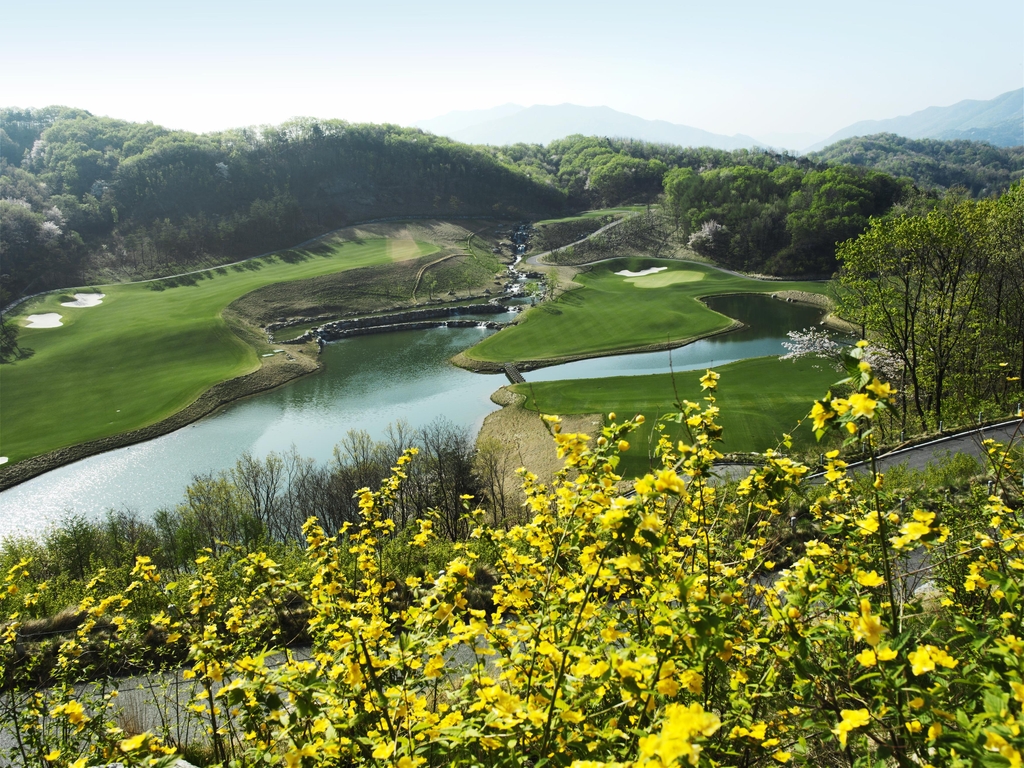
pixel 141 358
pixel 612 313
pixel 761 400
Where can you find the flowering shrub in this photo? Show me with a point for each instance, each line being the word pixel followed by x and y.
pixel 651 629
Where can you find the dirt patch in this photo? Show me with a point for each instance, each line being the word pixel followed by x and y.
pixel 526 435
pixel 456 276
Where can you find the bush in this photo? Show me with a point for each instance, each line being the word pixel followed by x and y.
pixel 647 629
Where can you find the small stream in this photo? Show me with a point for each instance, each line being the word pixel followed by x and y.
pixel 367 383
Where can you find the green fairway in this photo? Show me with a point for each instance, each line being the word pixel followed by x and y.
pixel 760 399
pixel 614 313
pixel 149 349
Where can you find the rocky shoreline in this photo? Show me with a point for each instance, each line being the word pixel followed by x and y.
pixel 411 320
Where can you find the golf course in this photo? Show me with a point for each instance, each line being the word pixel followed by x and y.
pixel 150 349
pixel 761 399
pixel 613 313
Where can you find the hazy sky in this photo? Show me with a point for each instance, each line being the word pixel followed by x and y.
pixel 760 68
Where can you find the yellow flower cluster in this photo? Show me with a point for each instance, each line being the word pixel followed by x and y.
pixel 654 629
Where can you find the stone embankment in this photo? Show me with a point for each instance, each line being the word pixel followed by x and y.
pixel 413 320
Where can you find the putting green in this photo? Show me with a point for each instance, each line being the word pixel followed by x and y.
pixel 609 314
pixel 663 279
pixel 148 350
pixel 760 400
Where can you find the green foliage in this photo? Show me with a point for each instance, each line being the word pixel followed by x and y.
pixel 978 167
pixel 944 293
pixel 158 199
pixel 786 220
pixel 650 630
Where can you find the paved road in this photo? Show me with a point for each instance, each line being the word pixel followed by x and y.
pixel 915 457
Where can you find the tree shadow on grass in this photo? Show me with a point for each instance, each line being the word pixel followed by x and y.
pixel 21 353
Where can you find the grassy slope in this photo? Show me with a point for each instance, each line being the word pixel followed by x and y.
pixel 760 399
pixel 610 314
pixel 144 354
pixel 594 214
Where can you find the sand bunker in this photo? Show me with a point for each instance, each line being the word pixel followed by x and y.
pixel 49 320
pixel 641 273
pixel 85 300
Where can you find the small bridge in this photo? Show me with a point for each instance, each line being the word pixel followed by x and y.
pixel 514 376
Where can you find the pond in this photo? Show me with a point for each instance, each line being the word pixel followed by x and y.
pixel 767 321
pixel 367 383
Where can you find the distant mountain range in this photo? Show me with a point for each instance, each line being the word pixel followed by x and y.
pixel 999 121
pixel 512 124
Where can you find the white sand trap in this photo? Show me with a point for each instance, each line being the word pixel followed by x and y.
pixel 641 273
pixel 85 300
pixel 3 459
pixel 49 320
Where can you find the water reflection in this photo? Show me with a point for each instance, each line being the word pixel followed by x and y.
pixel 768 321
pixel 367 383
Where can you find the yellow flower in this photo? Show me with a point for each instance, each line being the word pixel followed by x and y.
pixel 681 726
pixel 886 654
pixel 51 756
pixel 851 719
pixel 871 579
pixel 921 661
pixel 820 414
pixel 709 380
pixel 862 405
pixel 867 658
pixel 868 524
pixel 130 745
pixel 926 657
pixel 384 750
pixel 868 627
pixel 882 391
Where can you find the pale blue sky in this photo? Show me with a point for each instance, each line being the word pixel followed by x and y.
pixel 758 68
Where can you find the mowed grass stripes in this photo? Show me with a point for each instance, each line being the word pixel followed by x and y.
pixel 760 401
pixel 144 354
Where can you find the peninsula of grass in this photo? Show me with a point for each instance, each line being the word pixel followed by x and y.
pixel 612 313
pixel 761 400
pixel 150 349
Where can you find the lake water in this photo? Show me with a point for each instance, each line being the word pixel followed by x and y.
pixel 367 383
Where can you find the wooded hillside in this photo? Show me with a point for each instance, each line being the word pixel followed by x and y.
pixel 80 195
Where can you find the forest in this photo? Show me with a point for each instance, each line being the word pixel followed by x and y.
pixel 108 199
pixel 95 199
pixel 976 167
